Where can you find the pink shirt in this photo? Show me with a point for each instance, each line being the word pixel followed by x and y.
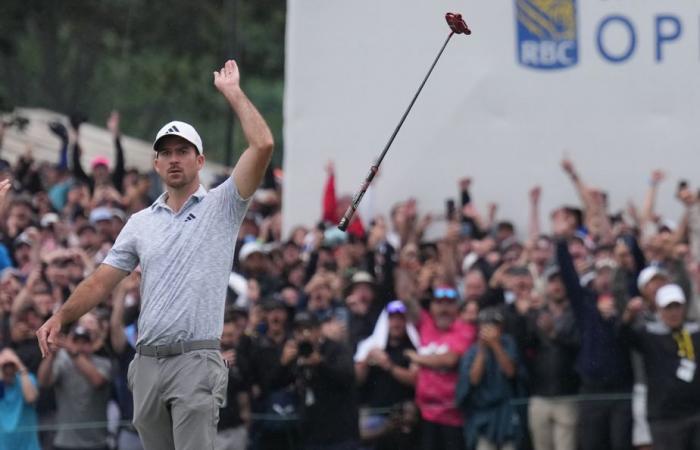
pixel 435 390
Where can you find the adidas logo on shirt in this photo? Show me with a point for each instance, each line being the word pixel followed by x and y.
pixel 190 216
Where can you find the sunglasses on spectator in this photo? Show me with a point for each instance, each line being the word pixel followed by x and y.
pixel 445 293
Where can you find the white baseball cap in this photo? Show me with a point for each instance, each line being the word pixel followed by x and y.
pixel 182 129
pixel 648 274
pixel 671 293
pixel 249 248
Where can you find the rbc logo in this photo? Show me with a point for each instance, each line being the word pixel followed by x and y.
pixel 547 34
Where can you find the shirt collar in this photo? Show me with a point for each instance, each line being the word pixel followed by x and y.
pixel 163 198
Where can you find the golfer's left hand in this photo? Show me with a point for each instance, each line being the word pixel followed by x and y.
pixel 227 80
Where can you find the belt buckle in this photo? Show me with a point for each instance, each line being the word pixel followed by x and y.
pixel 182 347
pixel 156 347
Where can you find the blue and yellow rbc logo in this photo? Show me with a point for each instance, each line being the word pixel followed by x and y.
pixel 547 35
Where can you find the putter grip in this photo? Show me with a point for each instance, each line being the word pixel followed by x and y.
pixel 345 221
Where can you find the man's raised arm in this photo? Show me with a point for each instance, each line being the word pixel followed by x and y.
pixel 251 166
pixel 89 293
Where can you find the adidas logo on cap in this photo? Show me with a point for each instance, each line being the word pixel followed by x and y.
pixel 182 129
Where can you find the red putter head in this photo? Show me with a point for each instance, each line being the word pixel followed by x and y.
pixel 457 24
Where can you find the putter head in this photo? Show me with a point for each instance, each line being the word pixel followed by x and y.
pixel 457 24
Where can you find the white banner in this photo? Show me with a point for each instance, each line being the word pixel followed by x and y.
pixel 611 83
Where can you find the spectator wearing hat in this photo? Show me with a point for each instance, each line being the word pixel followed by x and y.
pixel 18 394
pixel 649 281
pixel 101 219
pixel 549 342
pixel 444 338
pixel 385 375
pixel 604 360
pixel 363 305
pixel 488 382
pixel 100 171
pixel 81 382
pixel 669 347
pixel 253 263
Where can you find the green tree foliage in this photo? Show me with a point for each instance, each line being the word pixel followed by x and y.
pixel 152 60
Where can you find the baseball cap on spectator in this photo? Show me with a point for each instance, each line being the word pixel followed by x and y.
pixel 182 129
pixel 396 307
pixel 648 274
pixel 306 320
pixel 490 315
pixel 99 161
pixel 80 332
pixel 605 263
pixel 22 239
pixel 361 277
pixel 49 219
pixel 119 214
pixel 671 293
pixel 100 214
pixel 249 248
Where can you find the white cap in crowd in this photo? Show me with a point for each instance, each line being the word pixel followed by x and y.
pixel 648 274
pixel 671 293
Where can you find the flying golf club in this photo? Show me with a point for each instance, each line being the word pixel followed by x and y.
pixel 457 26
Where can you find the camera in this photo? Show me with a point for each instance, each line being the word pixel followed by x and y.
pixel 306 348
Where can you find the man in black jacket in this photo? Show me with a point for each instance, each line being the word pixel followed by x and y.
pixel 549 341
pixel 325 376
pixel 669 347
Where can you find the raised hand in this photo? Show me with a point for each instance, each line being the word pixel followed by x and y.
pixel 562 223
pixel 227 80
pixel 568 166
pixel 113 123
pixel 4 189
pixel 465 183
pixel 657 176
pixel 535 193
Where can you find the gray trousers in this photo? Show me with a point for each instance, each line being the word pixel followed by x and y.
pixel 177 399
pixel 552 423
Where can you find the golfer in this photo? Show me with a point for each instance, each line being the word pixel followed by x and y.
pixel 184 243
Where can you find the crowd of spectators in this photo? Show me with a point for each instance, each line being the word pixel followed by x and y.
pixel 580 336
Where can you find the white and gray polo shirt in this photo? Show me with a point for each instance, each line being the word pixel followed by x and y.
pixel 186 258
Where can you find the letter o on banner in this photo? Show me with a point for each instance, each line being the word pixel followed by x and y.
pixel 632 39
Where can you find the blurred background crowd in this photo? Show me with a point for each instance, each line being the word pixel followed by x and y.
pixel 577 332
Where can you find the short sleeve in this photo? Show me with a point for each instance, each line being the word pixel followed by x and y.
pixel 230 200
pixel 104 366
pixel 123 254
pixel 59 366
pixel 462 338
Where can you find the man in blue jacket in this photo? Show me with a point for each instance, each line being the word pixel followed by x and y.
pixel 604 360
